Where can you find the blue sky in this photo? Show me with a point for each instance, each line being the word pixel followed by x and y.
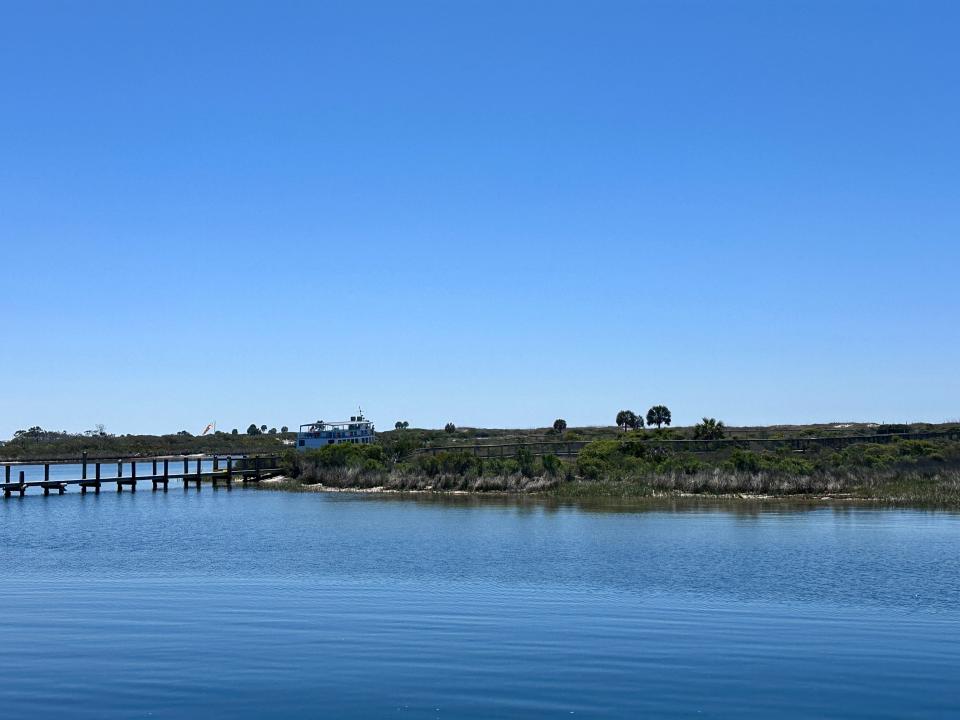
pixel 489 213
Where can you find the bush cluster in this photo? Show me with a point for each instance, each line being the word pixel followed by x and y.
pixel 633 457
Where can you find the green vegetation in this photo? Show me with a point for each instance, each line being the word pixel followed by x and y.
pixel 642 463
pixel 839 460
pixel 629 420
pixel 709 429
pixel 659 415
pixel 899 470
pixel 37 443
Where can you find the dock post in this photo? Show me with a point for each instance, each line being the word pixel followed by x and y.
pixel 96 487
pixel 166 474
pixel 23 488
pixel 133 476
pixel 83 466
pixel 46 472
pixel 154 467
pixel 6 474
pixel 256 468
pixel 229 468
pixel 198 473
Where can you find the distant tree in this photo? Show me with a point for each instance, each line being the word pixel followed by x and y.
pixel 559 425
pixel 273 431
pixel 629 420
pixel 709 429
pixel 36 432
pixel 185 433
pixel 450 428
pixel 284 429
pixel 263 428
pixel 659 415
pixel 99 430
pixel 398 425
pixel 234 432
pixel 253 430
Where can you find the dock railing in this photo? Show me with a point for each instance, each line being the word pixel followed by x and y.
pixel 93 473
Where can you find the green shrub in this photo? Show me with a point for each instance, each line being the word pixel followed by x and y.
pixel 449 463
pixel 525 462
pixel 551 465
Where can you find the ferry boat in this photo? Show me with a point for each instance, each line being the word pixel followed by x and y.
pixel 319 434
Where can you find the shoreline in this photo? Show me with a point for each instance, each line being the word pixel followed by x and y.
pixel 840 499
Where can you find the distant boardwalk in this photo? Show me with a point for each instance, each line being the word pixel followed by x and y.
pixel 94 473
pixel 568 448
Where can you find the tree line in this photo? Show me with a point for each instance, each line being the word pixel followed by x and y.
pixel 658 415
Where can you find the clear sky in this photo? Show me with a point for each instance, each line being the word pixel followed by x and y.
pixel 487 213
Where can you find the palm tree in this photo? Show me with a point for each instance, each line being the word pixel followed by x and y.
pixel 659 415
pixel 628 420
pixel 559 425
pixel 709 429
pixel 450 427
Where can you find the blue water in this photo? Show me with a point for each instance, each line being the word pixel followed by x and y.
pixel 252 603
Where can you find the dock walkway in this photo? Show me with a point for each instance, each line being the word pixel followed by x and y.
pixel 223 471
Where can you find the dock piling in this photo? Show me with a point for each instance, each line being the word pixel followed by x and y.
pixel 250 470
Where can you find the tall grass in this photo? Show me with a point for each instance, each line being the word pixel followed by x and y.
pixel 400 480
pixel 940 488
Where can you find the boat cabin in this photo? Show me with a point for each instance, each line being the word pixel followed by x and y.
pixel 319 434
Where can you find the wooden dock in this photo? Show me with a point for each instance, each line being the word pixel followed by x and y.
pixel 188 470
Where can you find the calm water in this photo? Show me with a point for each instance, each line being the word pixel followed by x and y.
pixel 253 603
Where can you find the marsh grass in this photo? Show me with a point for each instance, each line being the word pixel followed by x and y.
pixel 908 472
pixel 404 480
pixel 896 487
